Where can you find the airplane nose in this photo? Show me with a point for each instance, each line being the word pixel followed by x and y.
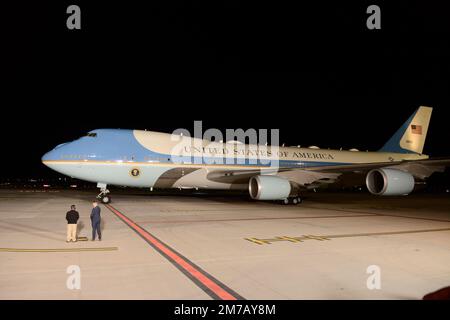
pixel 54 154
pixel 49 156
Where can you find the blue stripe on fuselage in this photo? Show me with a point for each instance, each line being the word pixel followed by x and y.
pixel 119 144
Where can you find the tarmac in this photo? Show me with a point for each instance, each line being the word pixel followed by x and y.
pixel 203 246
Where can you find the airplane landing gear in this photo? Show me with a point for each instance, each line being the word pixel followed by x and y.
pixel 105 199
pixel 292 200
pixel 103 195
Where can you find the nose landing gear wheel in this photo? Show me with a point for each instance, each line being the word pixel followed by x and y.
pixel 103 195
pixel 105 199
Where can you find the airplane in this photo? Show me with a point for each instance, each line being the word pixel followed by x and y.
pixel 139 158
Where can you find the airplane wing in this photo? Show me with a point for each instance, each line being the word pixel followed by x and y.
pixel 418 168
pixel 319 175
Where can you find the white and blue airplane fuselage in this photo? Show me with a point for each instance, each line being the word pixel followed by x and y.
pixel 146 159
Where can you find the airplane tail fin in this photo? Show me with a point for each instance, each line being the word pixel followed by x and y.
pixel 410 138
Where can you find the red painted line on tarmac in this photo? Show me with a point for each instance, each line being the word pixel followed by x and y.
pixel 205 281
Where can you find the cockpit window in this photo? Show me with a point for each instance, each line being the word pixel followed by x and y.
pixel 91 134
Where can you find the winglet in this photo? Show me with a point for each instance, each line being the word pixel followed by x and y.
pixel 410 138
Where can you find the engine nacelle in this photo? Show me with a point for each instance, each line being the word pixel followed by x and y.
pixel 269 188
pixel 389 182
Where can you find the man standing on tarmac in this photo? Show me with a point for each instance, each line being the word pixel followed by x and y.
pixel 72 217
pixel 95 221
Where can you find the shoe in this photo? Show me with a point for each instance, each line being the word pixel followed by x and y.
pixel 92 239
pixel 67 241
pixel 100 239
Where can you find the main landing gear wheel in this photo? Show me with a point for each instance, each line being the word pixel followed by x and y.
pixel 292 200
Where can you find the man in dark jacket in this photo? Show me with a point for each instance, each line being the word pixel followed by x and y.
pixel 72 217
pixel 95 220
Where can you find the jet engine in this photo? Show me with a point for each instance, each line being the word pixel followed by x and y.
pixel 389 182
pixel 269 188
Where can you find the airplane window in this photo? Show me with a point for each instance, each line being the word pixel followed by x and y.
pixel 91 134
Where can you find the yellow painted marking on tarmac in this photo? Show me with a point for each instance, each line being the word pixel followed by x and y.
pixel 320 238
pixel 335 236
pixel 385 233
pixel 59 250
pixel 291 239
pixel 257 241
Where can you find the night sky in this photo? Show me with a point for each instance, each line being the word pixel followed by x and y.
pixel 314 71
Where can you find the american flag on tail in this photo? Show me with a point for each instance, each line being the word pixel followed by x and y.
pixel 416 129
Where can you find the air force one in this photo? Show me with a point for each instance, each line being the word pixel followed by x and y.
pixel 137 158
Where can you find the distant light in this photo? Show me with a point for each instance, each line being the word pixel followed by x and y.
pixel 46 186
pixel 73 186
